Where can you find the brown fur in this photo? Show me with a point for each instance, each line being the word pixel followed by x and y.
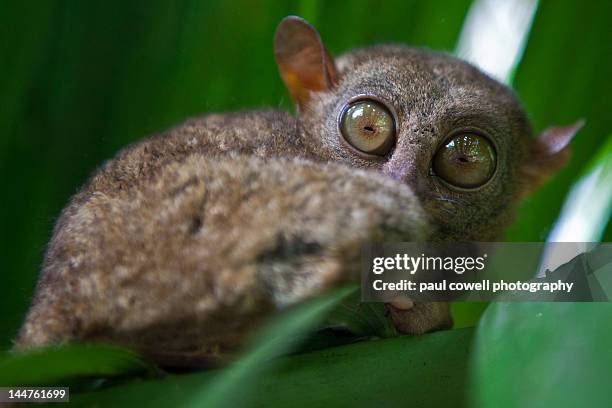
pixel 181 244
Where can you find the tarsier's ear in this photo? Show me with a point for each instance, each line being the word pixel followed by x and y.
pixel 548 154
pixel 303 61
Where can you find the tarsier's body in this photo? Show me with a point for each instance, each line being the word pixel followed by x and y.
pixel 184 242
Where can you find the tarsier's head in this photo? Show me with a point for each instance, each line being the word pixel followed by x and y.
pixel 457 137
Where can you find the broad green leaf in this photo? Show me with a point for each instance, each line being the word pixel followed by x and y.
pixel 428 370
pixel 467 314
pixel 56 366
pixel 402 371
pixel 543 355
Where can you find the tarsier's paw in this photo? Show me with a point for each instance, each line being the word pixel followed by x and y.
pixel 326 213
pixel 319 241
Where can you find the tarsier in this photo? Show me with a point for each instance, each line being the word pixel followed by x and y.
pixel 183 243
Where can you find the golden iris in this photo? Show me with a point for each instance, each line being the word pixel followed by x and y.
pixel 369 127
pixel 467 161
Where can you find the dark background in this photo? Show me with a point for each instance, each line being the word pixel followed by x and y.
pixel 81 79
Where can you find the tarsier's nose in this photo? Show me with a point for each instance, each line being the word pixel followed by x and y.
pixel 408 162
pixel 403 171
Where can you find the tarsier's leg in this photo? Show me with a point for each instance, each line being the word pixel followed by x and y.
pixel 183 265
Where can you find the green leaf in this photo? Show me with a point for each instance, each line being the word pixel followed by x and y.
pixel 59 365
pixel 234 383
pixel 543 355
pixel 428 370
pixel 552 354
pixel 467 314
pixel 401 371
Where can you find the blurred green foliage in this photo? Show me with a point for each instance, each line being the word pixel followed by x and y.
pixel 565 76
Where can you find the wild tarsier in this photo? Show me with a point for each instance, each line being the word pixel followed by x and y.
pixel 183 243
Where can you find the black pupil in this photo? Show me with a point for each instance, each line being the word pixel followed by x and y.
pixel 463 159
pixel 368 129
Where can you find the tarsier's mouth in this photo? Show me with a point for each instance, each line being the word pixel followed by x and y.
pixel 402 303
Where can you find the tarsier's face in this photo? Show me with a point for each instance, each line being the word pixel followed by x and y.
pixel 431 121
pixel 458 138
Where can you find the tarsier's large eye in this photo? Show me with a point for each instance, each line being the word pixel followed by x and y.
pixel 467 160
pixel 369 127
